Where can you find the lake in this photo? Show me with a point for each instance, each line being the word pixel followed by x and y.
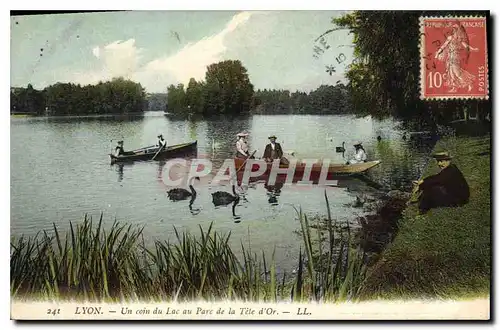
pixel 60 170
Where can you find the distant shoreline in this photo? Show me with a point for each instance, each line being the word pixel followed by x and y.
pixel 79 116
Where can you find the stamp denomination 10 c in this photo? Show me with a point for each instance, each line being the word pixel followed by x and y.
pixel 453 58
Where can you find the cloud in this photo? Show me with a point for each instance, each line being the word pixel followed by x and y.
pixel 191 61
pixel 122 59
pixel 117 59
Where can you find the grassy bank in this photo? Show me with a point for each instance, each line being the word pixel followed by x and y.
pixel 90 262
pixel 446 252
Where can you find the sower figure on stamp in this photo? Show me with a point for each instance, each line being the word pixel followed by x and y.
pixel 448 188
pixel 450 53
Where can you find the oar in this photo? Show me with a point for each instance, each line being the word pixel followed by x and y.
pixel 158 152
pixel 246 161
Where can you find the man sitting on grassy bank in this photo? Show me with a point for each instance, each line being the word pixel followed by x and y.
pixel 447 188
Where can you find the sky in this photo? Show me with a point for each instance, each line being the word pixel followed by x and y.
pixel 159 48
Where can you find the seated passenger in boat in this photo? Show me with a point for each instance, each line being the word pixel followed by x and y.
pixel 360 154
pixel 448 188
pixel 273 151
pixel 242 145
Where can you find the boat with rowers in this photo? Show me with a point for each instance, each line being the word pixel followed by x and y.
pixel 151 152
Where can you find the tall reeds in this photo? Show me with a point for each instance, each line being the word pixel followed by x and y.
pixel 91 263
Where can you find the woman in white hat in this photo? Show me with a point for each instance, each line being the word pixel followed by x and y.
pixel 360 154
pixel 242 145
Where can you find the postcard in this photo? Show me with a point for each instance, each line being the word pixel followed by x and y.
pixel 251 165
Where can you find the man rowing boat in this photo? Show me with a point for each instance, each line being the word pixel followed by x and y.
pixel 161 141
pixel 119 148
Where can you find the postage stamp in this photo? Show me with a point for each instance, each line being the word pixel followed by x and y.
pixel 454 58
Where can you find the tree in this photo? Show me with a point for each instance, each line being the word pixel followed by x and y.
pixel 194 96
pixel 228 89
pixel 176 100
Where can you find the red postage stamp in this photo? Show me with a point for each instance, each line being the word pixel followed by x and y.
pixel 453 58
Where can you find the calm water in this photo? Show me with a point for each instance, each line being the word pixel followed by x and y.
pixel 60 170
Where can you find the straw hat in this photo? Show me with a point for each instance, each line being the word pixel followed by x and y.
pixel 244 133
pixel 272 137
pixel 444 155
pixel 357 143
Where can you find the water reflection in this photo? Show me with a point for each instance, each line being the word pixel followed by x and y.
pixel 273 192
pixel 120 172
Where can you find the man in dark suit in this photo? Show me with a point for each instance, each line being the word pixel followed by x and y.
pixel 448 188
pixel 273 150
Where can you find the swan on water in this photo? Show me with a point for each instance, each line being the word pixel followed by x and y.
pixel 177 194
pixel 224 198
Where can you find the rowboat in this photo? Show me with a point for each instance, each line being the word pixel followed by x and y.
pixel 147 153
pixel 316 168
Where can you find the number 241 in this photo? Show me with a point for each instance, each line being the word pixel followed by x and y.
pixel 53 311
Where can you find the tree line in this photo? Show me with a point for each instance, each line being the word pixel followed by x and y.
pixel 118 96
pixel 384 79
pixel 227 90
pixel 326 99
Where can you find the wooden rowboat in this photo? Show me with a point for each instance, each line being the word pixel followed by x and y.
pixel 333 169
pixel 147 153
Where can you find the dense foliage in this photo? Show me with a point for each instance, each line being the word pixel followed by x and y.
pixel 112 97
pixel 384 78
pixel 157 101
pixel 226 90
pixel 326 99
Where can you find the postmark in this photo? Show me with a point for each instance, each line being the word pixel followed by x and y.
pixel 453 58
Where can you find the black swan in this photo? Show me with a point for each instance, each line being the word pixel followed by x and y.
pixel 341 149
pixel 178 194
pixel 224 198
